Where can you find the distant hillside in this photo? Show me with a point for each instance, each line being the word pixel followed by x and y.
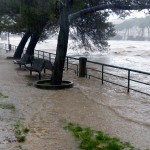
pixel 133 29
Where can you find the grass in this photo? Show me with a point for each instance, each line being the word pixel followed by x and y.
pixel 21 139
pixel 49 83
pixel 96 140
pixel 26 130
pixel 46 84
pixel 3 96
pixel 21 132
pixel 7 106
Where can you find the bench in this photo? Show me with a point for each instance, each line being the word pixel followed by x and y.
pixel 48 65
pixel 37 66
pixel 25 59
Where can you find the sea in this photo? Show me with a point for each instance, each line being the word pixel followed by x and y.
pixel 130 54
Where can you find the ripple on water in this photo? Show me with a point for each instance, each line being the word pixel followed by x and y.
pixel 134 107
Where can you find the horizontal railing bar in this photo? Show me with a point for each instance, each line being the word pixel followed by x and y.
pixel 72 57
pixel 114 83
pixel 115 75
pixel 139 91
pixel 108 81
pixel 108 73
pixel 44 52
pixel 93 69
pixel 123 68
pixel 95 77
pixel 118 76
pixel 139 82
pixel 72 64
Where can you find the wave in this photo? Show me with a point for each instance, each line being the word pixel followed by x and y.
pixel 131 47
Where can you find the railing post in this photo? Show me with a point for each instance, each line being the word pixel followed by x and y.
pixel 43 55
pixel 77 71
pixel 67 63
pixel 9 47
pixel 82 66
pixel 5 47
pixel 38 54
pixel 50 57
pixel 102 74
pixel 128 81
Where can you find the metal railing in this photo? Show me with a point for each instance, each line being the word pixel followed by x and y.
pixel 8 47
pixel 120 76
pixel 127 76
pixel 104 74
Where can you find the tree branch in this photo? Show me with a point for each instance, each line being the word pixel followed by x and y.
pixel 106 6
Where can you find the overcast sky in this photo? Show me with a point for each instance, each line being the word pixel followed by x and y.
pixel 135 14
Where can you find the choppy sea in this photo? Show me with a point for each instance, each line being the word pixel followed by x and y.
pixel 130 54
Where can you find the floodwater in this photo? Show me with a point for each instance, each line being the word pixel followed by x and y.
pixel 106 107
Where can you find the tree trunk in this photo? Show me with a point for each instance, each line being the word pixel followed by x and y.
pixel 19 50
pixel 62 45
pixel 32 44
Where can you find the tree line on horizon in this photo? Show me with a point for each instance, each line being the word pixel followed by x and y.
pixel 137 29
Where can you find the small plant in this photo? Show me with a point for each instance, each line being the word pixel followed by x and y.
pixel 96 140
pixel 21 139
pixel 20 131
pixel 3 96
pixel 26 130
pixel 7 106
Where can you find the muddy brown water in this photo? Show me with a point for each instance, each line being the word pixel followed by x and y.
pixel 46 112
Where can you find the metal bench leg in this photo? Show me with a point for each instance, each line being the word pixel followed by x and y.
pixel 30 72
pixel 39 76
pixel 44 70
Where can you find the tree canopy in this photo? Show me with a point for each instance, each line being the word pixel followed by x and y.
pixel 87 17
pixel 41 17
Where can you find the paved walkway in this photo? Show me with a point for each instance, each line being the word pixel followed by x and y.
pixel 45 112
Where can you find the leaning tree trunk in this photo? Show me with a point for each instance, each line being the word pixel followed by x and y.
pixel 32 44
pixel 62 45
pixel 19 50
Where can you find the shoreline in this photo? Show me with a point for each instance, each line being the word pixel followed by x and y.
pixel 89 104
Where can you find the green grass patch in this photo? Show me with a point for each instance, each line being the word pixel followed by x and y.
pixel 46 84
pixel 21 131
pixel 26 130
pixel 3 96
pixel 21 139
pixel 96 140
pixel 7 106
pixel 49 83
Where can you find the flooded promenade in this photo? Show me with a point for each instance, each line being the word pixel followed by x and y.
pixel 90 104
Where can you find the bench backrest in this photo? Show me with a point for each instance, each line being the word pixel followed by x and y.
pixel 25 59
pixel 38 64
pixel 48 65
